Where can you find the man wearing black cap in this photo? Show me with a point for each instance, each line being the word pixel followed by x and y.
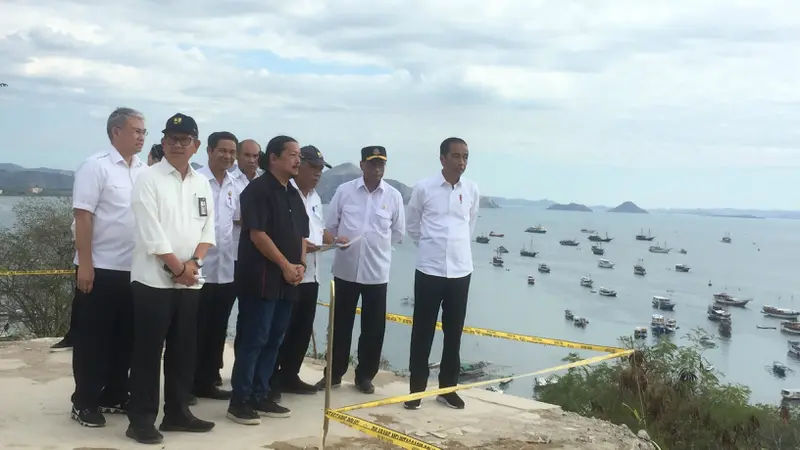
pixel 369 213
pixel 295 343
pixel 174 210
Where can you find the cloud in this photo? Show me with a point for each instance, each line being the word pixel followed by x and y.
pixel 705 83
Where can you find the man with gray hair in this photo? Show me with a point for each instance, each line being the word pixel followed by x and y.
pixel 104 241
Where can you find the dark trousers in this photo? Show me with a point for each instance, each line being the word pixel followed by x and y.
pixel 295 342
pixel 213 312
pixel 162 315
pixel 102 340
pixel 260 327
pixel 373 326
pixel 429 293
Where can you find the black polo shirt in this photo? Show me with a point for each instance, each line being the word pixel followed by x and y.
pixel 279 211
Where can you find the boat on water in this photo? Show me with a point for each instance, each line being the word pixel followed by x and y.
pixel 493 234
pixel 538 229
pixel 726 239
pixel 502 249
pixel 682 268
pixel 540 382
pixel 640 332
pixel 780 313
pixel 586 230
pixel 725 328
pixel 644 237
pixel 497 260
pixel 580 321
pixel 779 369
pixel 597 238
pixel 790 394
pixel 663 303
pixel 605 264
pixel 723 298
pixel 569 242
pixel 658 249
pixel 528 252
pixel 682 251
pixel 790 327
pixel 793 345
pixel 638 268
pixel 543 268
pixel 568 314
pixel 482 239
pixel 605 292
pixel 587 282
pixel 717 313
pixel 793 353
pixel 531 280
pixel 598 249
pixel 660 325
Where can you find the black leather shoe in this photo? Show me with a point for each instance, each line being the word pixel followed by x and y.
pixel 145 435
pixel 365 386
pixel 188 424
pixel 335 383
pixel 192 400
pixel 213 393
pixel 298 386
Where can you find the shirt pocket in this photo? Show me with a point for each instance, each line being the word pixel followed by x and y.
pixel 383 220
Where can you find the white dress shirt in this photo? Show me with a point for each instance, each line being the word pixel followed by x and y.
pixel 240 181
pixel 316 229
pixel 103 185
pixel 169 219
pixel 441 221
pixel 218 263
pixel 373 221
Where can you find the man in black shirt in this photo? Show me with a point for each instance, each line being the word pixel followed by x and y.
pixel 272 252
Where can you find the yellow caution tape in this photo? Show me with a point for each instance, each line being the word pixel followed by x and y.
pixel 22 273
pixel 385 434
pixel 420 395
pixel 505 335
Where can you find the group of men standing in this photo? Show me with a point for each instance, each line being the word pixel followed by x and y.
pixel 163 252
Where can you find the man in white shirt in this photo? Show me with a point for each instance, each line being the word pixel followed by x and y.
pixel 293 350
pixel 370 214
pixel 246 163
pixel 218 293
pixel 442 214
pixel 104 228
pixel 174 210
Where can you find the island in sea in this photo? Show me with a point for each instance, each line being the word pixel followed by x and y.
pixel 569 207
pixel 628 207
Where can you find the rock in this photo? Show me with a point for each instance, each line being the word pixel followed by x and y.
pixel 439 434
pixel 471 430
pixel 642 434
pixel 420 433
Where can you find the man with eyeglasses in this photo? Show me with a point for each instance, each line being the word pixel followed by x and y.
pixel 369 213
pixel 174 210
pixel 102 308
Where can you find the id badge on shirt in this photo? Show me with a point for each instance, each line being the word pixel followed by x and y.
pixel 202 207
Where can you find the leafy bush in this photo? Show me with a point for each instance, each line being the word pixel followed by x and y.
pixel 674 394
pixel 39 240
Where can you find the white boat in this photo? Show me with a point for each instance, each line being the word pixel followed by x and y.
pixel 605 264
pixel 672 325
pixel 587 282
pixel 790 327
pixel 640 332
pixel 580 321
pixel 663 303
pixel 608 292
pixel 659 249
pixel 531 280
pixel 682 268
pixel 717 313
pixel 780 313
pixel 723 298
pixel 544 268
pixel 790 394
pixel 726 239
pixel 639 269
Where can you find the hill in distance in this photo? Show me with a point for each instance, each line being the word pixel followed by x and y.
pixel 628 207
pixel 569 207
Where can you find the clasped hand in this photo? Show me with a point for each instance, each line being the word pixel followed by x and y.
pixel 293 273
pixel 190 275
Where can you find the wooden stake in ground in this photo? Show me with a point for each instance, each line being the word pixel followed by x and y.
pixel 329 366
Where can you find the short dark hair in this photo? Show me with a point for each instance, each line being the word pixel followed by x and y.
pixel 157 152
pixel 215 137
pixel 275 146
pixel 444 148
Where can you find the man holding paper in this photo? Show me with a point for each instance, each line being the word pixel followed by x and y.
pixel 369 212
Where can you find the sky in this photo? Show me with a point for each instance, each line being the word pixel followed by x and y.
pixel 681 103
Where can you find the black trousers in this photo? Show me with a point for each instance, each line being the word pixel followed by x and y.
pixel 213 312
pixel 373 326
pixel 295 342
pixel 162 315
pixel 429 293
pixel 102 340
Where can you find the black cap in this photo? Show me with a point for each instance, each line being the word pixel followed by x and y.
pixel 181 123
pixel 373 152
pixel 313 155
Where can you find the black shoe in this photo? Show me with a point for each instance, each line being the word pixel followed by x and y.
pixel 119 408
pixel 274 396
pixel 335 383
pixel 192 400
pixel 88 417
pixel 365 386
pixel 451 399
pixel 298 386
pixel 144 435
pixel 213 393
pixel 63 344
pixel 413 404
pixel 268 408
pixel 188 423
pixel 243 414
pixel 218 383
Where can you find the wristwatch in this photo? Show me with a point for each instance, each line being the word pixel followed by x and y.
pixel 198 261
pixel 303 264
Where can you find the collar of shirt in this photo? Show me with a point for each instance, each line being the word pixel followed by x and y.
pixel 311 193
pixel 117 158
pixel 444 182
pixel 166 168
pixel 206 172
pixel 360 184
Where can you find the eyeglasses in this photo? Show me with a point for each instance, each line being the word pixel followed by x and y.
pixel 138 131
pixel 183 141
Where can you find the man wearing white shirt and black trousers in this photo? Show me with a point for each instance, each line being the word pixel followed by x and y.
pixel 442 214
pixel 174 210
pixel 102 308
pixel 369 213
pixel 218 292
